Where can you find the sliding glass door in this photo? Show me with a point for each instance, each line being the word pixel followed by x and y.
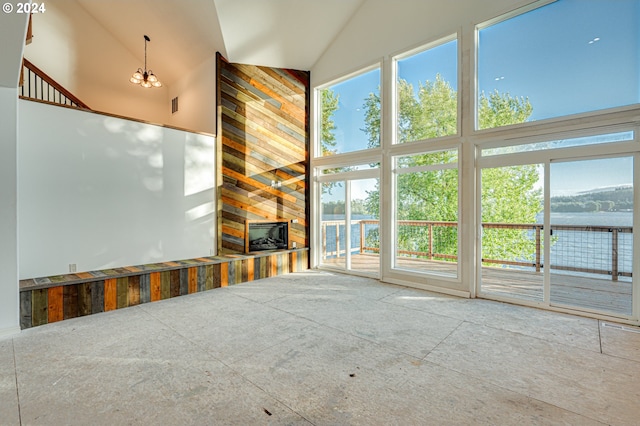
pixel 557 220
pixel 591 250
pixel 350 226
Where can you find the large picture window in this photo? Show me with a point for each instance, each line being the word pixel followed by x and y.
pixel 427 93
pixel 350 114
pixel 426 173
pixel 568 57
pixel 427 213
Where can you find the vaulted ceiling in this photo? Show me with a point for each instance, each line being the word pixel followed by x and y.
pixel 184 33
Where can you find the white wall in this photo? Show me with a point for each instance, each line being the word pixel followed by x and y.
pixel 382 28
pixel 13 28
pixel 9 296
pixel 196 94
pixel 76 51
pixel 104 192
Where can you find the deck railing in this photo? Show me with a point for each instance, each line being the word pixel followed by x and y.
pixel 36 84
pixel 335 247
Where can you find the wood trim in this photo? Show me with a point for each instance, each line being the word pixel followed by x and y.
pixel 109 114
pixel 220 62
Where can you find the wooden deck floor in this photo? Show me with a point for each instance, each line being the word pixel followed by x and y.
pixel 590 293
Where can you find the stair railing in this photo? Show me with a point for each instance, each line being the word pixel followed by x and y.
pixel 36 84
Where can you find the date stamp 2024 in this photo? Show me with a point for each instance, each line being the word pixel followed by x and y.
pixel 30 8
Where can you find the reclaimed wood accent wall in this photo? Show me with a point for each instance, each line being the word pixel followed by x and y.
pixel 51 299
pixel 263 151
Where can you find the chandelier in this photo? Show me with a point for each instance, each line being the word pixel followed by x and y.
pixel 143 77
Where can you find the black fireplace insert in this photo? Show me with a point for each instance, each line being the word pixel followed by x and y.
pixel 267 236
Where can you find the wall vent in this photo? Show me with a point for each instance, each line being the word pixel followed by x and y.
pixel 174 105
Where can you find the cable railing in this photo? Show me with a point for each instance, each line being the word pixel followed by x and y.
pixel 601 250
pixel 37 85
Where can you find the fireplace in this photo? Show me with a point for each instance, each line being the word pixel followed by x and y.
pixel 260 235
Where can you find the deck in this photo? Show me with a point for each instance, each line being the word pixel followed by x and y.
pixel 571 290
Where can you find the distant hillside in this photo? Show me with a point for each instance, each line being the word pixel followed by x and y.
pixel 607 200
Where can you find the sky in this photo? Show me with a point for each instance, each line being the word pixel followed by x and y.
pixel 597 172
pixel 568 57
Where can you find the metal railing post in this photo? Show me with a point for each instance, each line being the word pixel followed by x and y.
pixel 430 232
pixel 324 241
pixel 538 248
pixel 614 254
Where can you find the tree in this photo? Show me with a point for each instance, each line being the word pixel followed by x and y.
pixel 509 194
pixel 329 107
pixel 500 109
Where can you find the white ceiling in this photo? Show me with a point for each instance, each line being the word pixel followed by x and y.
pixel 185 33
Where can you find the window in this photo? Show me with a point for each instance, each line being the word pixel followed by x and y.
pixel 557 218
pixel 350 115
pixel 560 143
pixel 427 213
pixel 350 225
pixel 427 94
pixel 506 212
pixel 512 231
pixel 564 58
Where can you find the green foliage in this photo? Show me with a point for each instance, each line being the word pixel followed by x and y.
pixel 508 193
pixel 333 207
pixel 602 201
pixel 329 107
pixel 358 207
pixel 509 196
pixel 372 120
pixel 431 113
pixel 500 109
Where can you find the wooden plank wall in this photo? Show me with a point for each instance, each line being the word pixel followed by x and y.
pixel 263 137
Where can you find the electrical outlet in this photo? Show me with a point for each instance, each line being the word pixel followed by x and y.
pixel 294 245
pixel 72 267
pixel 294 220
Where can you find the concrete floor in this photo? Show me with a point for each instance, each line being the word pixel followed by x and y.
pixel 323 349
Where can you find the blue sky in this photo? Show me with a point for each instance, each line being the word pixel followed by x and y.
pixel 568 178
pixel 568 57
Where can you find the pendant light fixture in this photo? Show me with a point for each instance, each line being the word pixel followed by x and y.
pixel 142 77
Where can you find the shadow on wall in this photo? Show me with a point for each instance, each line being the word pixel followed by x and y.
pixel 103 192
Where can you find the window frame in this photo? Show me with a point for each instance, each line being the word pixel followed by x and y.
pixel 316 150
pixel 475 86
pixel 416 50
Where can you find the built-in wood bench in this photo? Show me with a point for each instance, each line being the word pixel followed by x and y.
pixel 50 299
